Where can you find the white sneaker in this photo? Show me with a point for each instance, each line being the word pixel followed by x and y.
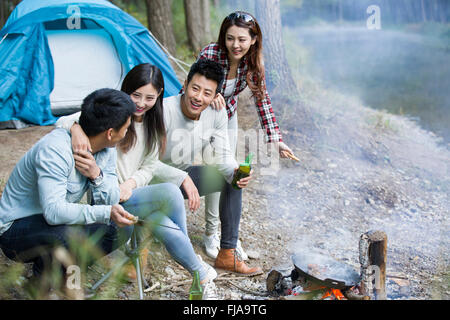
pixel 241 251
pixel 212 245
pixel 209 291
pixel 211 273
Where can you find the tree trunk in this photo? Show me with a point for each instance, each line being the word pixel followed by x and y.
pixel 340 11
pixel 2 14
pixel 372 257
pixel 6 7
pixel 197 23
pixel 159 17
pixel 424 15
pixel 278 73
pixel 206 22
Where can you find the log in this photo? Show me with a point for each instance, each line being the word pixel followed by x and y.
pixel 372 257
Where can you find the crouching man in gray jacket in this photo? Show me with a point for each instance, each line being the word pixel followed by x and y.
pixel 39 209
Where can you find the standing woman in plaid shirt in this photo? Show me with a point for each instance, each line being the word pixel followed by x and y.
pixel 239 51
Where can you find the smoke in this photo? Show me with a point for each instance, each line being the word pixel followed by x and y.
pixel 400 72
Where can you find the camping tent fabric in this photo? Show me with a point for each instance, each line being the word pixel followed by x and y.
pixel 26 65
pixel 71 52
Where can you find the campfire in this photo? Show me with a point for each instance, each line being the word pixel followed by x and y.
pixel 314 273
pixel 334 294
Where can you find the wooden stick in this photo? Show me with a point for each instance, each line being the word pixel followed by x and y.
pixel 396 277
pixel 152 287
pixel 291 156
pixel 248 291
pixel 230 278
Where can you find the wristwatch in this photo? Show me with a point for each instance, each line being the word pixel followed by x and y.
pixel 97 181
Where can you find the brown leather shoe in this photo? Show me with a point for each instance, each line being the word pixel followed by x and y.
pixel 130 271
pixel 229 260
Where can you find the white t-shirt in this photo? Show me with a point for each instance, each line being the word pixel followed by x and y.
pixel 229 89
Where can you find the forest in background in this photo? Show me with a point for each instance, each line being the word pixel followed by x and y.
pixel 186 25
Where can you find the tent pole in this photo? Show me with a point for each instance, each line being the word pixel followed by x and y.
pixel 4 38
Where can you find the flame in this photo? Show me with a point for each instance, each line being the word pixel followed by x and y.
pixel 334 294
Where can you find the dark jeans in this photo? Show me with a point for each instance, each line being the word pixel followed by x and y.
pixel 209 180
pixel 32 239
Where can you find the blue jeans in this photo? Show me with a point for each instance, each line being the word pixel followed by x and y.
pixel 162 207
pixel 209 180
pixel 32 240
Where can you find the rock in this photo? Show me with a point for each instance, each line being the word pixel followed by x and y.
pixel 253 254
pixel 401 282
pixel 169 271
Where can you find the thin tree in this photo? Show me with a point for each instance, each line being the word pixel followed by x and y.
pixel 279 80
pixel 197 23
pixel 278 73
pixel 159 17
pixel 6 7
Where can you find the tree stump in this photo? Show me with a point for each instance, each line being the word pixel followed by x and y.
pixel 372 257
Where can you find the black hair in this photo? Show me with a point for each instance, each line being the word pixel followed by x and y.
pixel 104 109
pixel 209 69
pixel 142 75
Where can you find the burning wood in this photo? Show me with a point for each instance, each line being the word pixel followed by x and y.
pixel 333 294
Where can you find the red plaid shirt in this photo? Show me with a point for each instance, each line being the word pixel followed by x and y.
pixel 264 106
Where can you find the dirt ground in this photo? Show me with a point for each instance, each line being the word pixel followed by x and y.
pixel 14 144
pixel 365 170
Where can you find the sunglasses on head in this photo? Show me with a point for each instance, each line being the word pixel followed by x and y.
pixel 240 15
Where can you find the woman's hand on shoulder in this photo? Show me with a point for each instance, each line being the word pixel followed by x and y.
pixel 80 141
pixel 218 103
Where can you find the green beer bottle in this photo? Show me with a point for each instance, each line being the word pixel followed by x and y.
pixel 196 291
pixel 243 171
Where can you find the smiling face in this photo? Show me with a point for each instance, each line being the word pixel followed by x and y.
pixel 145 98
pixel 199 94
pixel 238 41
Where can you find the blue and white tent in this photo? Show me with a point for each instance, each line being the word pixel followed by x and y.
pixel 55 52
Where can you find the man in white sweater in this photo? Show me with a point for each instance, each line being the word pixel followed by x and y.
pixel 196 132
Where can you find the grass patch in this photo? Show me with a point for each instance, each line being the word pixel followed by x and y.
pixel 382 122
